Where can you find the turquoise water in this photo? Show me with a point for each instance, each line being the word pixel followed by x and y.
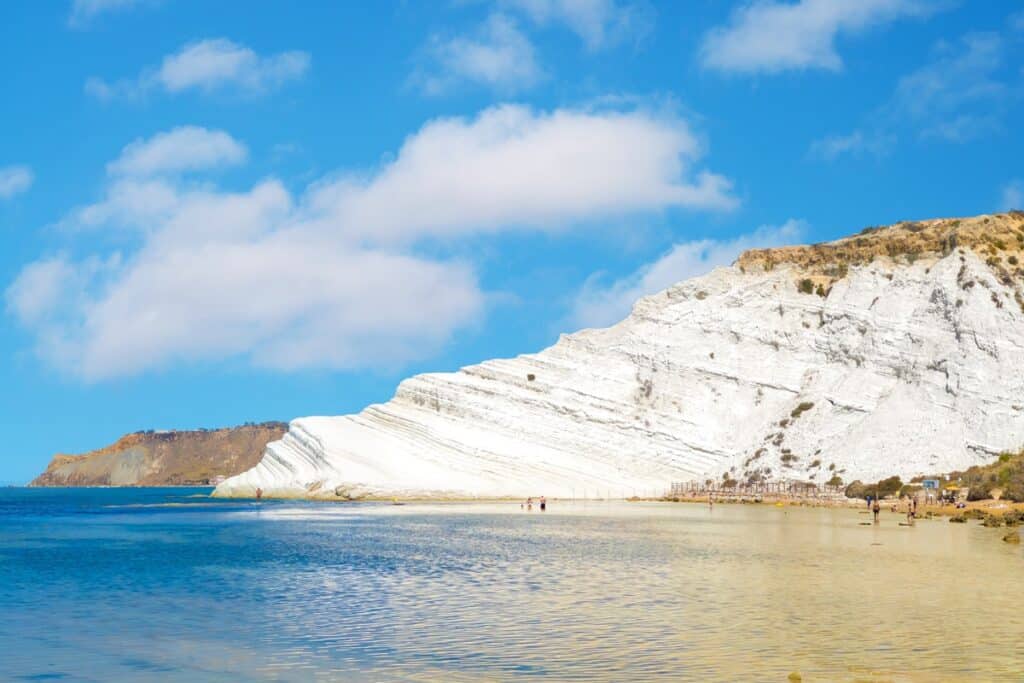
pixel 166 584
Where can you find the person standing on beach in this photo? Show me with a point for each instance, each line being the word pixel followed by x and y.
pixel 711 502
pixel 875 509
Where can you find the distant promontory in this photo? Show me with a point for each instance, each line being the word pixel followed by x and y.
pixel 165 458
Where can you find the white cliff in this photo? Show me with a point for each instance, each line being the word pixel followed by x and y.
pixel 908 360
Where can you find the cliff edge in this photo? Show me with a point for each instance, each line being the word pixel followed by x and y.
pixel 897 350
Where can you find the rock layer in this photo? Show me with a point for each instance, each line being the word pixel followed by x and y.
pixel 905 360
pixel 169 458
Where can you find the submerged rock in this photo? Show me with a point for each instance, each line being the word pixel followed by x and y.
pixel 992 521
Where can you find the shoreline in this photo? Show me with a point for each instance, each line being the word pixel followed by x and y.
pixel 989 506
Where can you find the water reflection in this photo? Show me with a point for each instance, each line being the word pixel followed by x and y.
pixel 468 592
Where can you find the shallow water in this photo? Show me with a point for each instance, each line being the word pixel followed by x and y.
pixel 165 584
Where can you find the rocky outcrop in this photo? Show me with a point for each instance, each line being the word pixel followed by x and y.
pixel 896 351
pixel 167 458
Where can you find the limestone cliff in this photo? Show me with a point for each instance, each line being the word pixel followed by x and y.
pixel 896 351
pixel 168 458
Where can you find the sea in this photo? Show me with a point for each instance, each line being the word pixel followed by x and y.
pixel 170 585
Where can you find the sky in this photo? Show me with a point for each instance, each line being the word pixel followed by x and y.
pixel 211 216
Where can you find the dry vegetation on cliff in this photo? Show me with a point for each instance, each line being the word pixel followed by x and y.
pixel 998 238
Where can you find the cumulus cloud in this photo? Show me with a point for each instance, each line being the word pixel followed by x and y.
pixel 186 148
pixel 502 57
pixel 511 166
pixel 1012 196
pixel 772 36
pixel 15 180
pixel 498 56
pixel 599 304
pixel 211 64
pixel 598 23
pixel 207 66
pixel 340 276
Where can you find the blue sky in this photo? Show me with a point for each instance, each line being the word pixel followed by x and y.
pixel 211 216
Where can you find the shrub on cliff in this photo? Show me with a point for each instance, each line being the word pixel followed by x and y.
pixel 881 489
pixel 1006 473
pixel 980 489
pixel 888 487
pixel 801 409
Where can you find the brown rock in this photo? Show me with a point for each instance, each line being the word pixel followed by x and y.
pixel 172 458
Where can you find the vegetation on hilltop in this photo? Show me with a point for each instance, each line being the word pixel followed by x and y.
pixel 1005 474
pixel 998 238
pixel 880 489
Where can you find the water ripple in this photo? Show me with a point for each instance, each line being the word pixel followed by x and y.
pixel 165 589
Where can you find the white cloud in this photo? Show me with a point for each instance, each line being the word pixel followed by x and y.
pixel 186 148
pixel 84 11
pixel 511 166
pixel 339 277
pixel 773 36
pixel 15 180
pixel 1013 196
pixel 39 288
pixel 598 22
pixel 599 305
pixel 212 64
pixel 856 144
pixel 498 56
pixel 207 66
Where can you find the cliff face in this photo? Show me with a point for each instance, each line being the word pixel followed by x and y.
pixel 165 458
pixel 896 351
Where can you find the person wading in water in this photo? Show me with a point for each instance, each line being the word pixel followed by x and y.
pixel 543 503
pixel 259 493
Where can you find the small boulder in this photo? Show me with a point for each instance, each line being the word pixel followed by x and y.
pixel 992 521
pixel 958 519
pixel 1012 537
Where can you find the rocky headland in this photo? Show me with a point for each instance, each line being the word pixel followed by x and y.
pixel 165 458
